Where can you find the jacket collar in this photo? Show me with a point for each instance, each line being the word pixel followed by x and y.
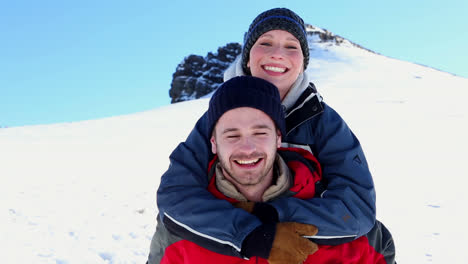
pixel 306 107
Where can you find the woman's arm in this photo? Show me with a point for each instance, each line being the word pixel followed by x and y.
pixel 347 208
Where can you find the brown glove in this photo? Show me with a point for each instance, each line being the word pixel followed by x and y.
pixel 247 206
pixel 289 247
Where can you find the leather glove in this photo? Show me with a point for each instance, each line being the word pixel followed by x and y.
pixel 247 206
pixel 280 243
pixel 289 247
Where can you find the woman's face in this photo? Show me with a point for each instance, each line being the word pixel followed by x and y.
pixel 277 57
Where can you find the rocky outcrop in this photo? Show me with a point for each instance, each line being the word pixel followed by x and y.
pixel 197 76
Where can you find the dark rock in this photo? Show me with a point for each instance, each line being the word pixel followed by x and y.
pixel 197 76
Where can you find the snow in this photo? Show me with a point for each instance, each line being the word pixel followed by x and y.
pixel 85 192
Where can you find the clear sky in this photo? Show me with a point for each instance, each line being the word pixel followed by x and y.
pixel 63 61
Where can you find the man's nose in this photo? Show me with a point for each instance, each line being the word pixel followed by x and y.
pixel 247 145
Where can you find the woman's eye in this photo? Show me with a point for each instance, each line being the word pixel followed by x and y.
pixel 265 44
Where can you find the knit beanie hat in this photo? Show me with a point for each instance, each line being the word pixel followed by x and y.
pixel 276 18
pixel 247 91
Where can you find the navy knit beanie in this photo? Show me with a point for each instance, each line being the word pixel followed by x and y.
pixel 247 91
pixel 276 18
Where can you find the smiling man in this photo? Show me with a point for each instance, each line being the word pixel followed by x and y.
pixel 245 140
pixel 249 170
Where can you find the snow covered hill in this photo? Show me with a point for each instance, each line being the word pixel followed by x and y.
pixel 85 192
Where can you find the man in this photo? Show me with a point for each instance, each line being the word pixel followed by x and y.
pixel 247 121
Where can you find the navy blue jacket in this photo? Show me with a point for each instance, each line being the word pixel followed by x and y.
pixel 345 211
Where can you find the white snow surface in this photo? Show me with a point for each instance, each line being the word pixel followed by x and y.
pixel 85 192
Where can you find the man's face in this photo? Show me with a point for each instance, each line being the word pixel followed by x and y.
pixel 277 57
pixel 246 140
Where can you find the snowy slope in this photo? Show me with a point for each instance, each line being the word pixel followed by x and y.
pixel 85 192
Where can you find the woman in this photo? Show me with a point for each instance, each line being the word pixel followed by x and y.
pixel 276 49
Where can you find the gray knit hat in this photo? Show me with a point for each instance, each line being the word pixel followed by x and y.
pixel 276 18
pixel 247 91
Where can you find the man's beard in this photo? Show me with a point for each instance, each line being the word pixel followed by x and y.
pixel 231 175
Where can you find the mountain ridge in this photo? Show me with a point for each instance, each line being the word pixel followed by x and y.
pixel 197 76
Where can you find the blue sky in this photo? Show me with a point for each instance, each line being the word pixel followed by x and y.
pixel 64 61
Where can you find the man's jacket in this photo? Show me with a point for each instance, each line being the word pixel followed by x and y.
pixel 305 183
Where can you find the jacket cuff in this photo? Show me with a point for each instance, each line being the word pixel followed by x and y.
pixel 266 213
pixel 259 242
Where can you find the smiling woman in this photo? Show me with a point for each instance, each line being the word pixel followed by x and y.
pixel 277 57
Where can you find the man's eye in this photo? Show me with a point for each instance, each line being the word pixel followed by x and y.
pixel 260 133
